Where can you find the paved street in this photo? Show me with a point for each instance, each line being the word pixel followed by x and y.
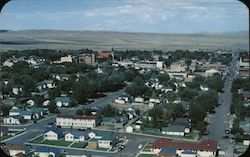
pixel 219 120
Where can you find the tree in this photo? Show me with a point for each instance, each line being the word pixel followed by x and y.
pixel 197 113
pixel 137 88
pixel 156 114
pixel 109 111
pixel 163 78
pixel 52 107
pixel 215 82
pixel 5 109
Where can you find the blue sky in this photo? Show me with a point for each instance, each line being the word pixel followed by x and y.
pixel 160 16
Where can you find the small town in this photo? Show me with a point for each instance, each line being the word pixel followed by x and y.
pixel 124 78
pixel 67 103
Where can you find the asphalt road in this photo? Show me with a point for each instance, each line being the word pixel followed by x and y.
pixel 34 130
pixel 97 103
pixel 219 120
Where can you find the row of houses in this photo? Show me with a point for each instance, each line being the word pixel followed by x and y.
pixel 168 147
pixel 78 121
pixel 21 150
pixel 93 139
pixel 18 116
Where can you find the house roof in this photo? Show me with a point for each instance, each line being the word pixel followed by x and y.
pixel 77 134
pixel 63 99
pixel 15 110
pixel 246 137
pixel 181 122
pixel 168 150
pixel 206 145
pixel 26 113
pixel 45 82
pixel 58 131
pixel 47 149
pixel 79 117
pixel 14 146
pixel 19 117
pixel 174 128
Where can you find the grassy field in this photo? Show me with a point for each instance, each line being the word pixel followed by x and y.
pixel 48 39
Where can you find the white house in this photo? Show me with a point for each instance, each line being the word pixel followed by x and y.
pixel 154 100
pixel 14 149
pixel 204 88
pixel 13 120
pixel 62 101
pixel 139 99
pixel 53 133
pixel 42 151
pixel 78 136
pixel 78 121
pixel 17 90
pixel 246 140
pixel 174 130
pixel 14 111
pixel 46 84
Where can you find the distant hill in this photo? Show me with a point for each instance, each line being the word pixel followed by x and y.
pixel 99 40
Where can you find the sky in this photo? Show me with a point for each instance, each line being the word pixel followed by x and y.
pixel 154 16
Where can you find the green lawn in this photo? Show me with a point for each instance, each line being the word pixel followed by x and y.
pixel 6 137
pixel 79 145
pixel 152 131
pixel 37 140
pixel 60 142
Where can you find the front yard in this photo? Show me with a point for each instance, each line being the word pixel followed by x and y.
pixel 61 142
pixel 193 135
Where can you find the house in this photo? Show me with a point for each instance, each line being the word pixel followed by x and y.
pixel 38 112
pixel 67 58
pixel 106 54
pixel 139 100
pixel 27 115
pixel 102 141
pixel 211 72
pixel 245 125
pixel 83 154
pixel 53 133
pixel 3 131
pixel 176 130
pixel 46 84
pixel 154 100
pixel 246 139
pixel 205 148
pixel 42 151
pixel 106 140
pixel 204 88
pixel 76 121
pixel 245 95
pixel 16 120
pixel 179 66
pixel 87 58
pixel 63 101
pixel 77 136
pixel 167 152
pixel 14 149
pixel 30 102
pixel 14 111
pixel 17 90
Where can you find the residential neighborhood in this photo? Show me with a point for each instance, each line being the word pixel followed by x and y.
pixel 124 79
